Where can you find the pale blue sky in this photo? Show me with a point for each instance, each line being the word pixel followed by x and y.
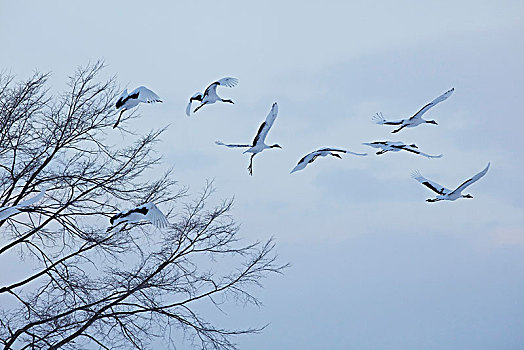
pixel 374 265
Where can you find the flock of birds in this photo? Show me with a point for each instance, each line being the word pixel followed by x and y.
pixel 150 212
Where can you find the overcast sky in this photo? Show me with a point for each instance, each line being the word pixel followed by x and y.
pixel 373 265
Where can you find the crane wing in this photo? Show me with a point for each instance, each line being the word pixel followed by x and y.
pixel 228 82
pixel 472 180
pixel 433 103
pixel 376 144
pixel 119 103
pixel 435 187
pixel 145 95
pixel 7 212
pixel 33 200
pixel 220 143
pixel 304 161
pixel 196 97
pixel 155 216
pixel 430 156
pixel 342 150
pixel 416 151
pixel 332 150
pixel 266 125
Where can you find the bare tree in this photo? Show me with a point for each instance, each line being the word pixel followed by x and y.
pixel 119 289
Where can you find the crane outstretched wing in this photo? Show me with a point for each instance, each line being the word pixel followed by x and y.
pixel 435 187
pixel 33 200
pixel 145 95
pixel 304 161
pixel 227 82
pixel 155 216
pixel 416 151
pixel 220 143
pixel 472 180
pixel 6 212
pixel 433 103
pixel 266 125
pixel 430 156
pixel 376 144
